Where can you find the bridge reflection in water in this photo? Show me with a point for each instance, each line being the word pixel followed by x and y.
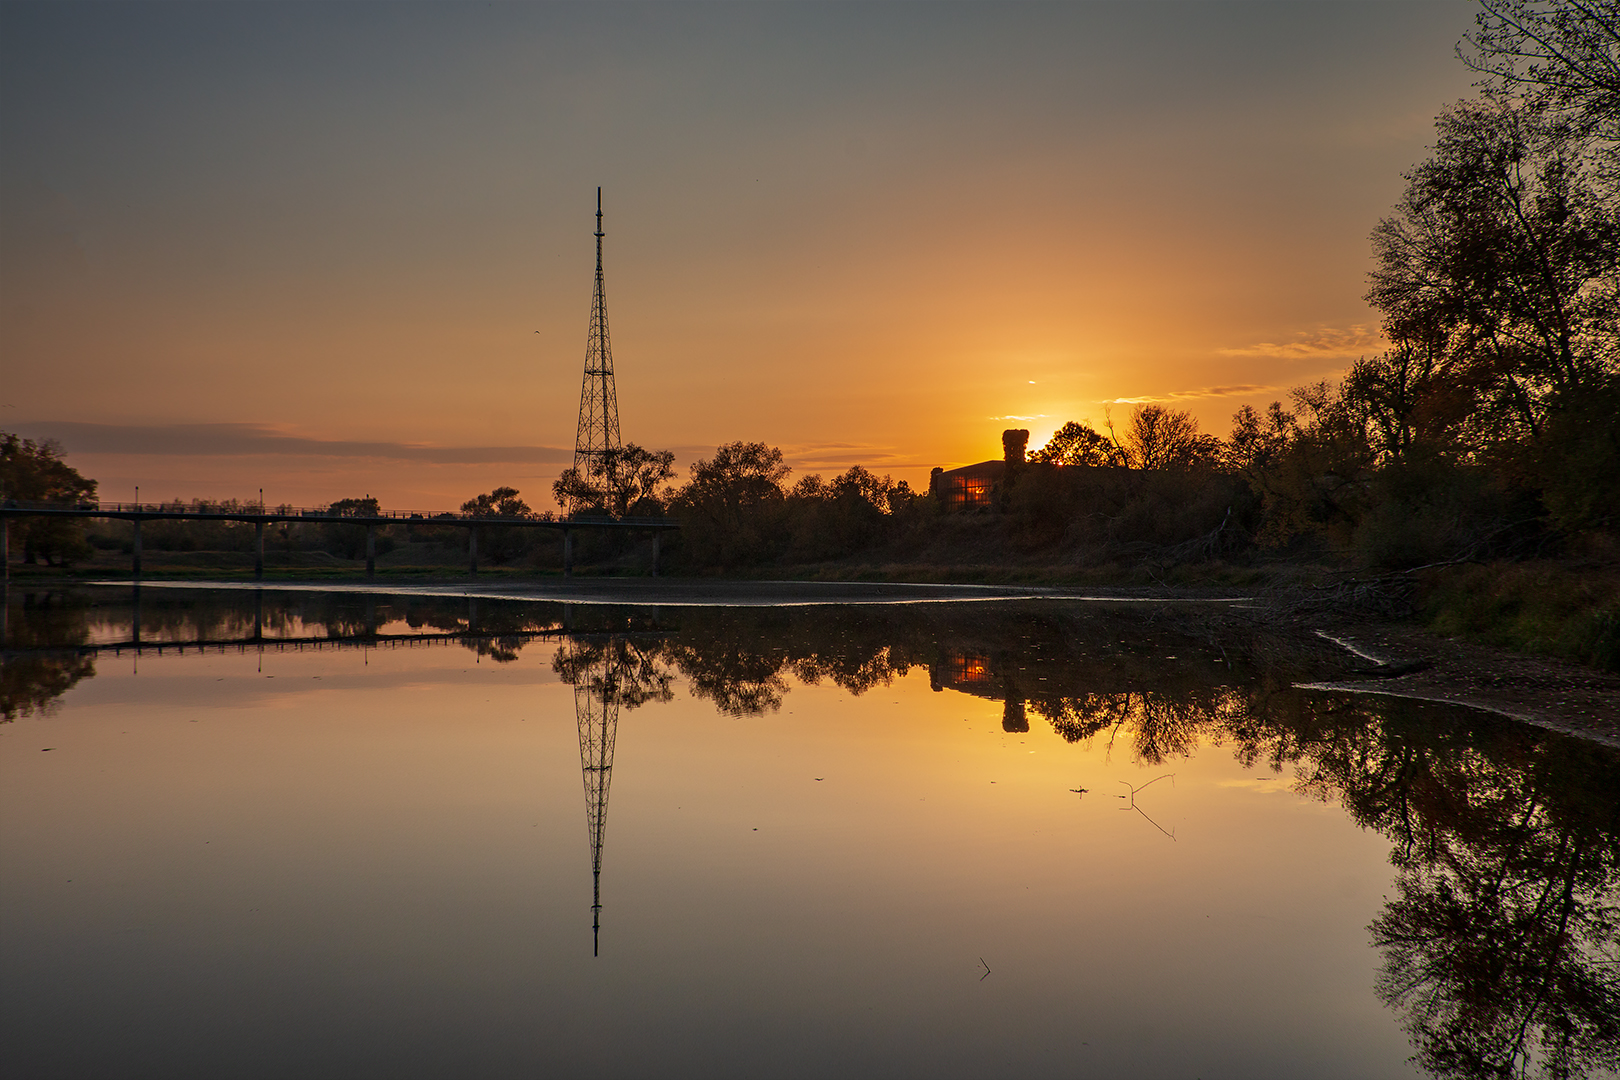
pixel 605 671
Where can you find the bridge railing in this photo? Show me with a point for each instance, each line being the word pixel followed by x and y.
pixel 318 513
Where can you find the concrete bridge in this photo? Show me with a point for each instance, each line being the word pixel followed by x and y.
pixel 259 517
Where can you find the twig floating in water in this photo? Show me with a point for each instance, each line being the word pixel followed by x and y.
pixel 1132 806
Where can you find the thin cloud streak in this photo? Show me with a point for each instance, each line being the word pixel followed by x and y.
pixel 1240 390
pixel 832 461
pixel 261 440
pixel 1323 342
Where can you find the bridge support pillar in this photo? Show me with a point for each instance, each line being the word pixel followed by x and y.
pixel 472 550
pixel 258 551
pixel 371 552
pixel 135 548
pixel 655 555
pixel 568 553
pixel 5 545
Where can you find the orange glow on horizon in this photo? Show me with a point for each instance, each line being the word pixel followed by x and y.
pixel 874 270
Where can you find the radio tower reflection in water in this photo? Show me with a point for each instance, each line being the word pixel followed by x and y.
pixel 597 713
pixel 607 674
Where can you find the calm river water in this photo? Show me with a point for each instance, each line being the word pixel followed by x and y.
pixel 384 836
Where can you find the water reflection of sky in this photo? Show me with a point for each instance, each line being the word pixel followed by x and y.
pixel 377 863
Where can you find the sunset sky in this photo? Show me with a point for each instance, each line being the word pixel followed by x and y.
pixel 344 249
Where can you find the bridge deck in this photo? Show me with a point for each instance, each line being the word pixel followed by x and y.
pixel 320 515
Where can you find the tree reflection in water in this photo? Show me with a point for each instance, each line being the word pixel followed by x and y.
pixel 1500 949
pixel 34 684
pixel 1500 945
pixel 40 635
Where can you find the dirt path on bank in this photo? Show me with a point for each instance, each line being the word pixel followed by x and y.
pixel 1411 662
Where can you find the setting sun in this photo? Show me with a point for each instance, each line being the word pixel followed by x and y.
pixel 844 266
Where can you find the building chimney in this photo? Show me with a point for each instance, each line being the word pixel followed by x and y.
pixel 1014 441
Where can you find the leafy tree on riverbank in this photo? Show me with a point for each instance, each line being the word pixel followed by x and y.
pixel 1563 57
pixel 1489 427
pixel 35 472
pixel 500 545
pixel 1157 438
pixel 731 509
pixel 1499 269
pixel 349 541
pixel 620 482
pixel 1077 444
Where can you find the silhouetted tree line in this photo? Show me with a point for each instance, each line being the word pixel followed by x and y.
pixel 1488 427
pixel 737 509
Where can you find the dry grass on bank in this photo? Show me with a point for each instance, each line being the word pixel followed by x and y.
pixel 1566 609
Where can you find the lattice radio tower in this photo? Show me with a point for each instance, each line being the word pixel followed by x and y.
pixel 598 431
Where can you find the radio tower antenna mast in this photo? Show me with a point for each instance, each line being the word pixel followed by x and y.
pixel 597 436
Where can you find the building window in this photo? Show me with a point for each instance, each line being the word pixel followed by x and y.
pixel 970 491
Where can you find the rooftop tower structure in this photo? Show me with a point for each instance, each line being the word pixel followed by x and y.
pixel 597 435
